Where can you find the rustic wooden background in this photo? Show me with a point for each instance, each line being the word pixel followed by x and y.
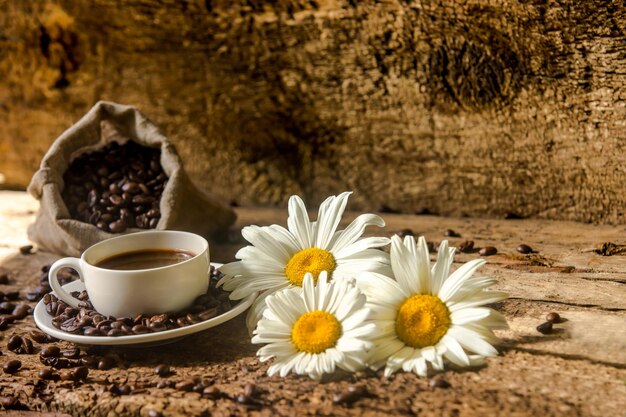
pixel 577 371
pixel 458 107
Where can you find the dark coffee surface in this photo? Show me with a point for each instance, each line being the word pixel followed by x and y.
pixel 145 259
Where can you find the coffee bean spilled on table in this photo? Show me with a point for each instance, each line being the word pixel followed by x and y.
pixel 84 320
pixel 116 188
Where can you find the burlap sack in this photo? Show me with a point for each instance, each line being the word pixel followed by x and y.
pixel 183 206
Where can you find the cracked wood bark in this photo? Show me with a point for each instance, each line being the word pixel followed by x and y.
pixel 476 108
pixel 579 370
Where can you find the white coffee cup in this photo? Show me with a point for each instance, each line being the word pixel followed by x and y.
pixel 127 293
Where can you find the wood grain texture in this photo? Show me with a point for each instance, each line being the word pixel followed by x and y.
pixel 476 108
pixel 579 370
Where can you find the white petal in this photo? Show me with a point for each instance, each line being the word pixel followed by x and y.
pixel 355 319
pixel 454 351
pixel 404 266
pixel 468 315
pixel 298 222
pixel 458 277
pixel 472 341
pixel 482 298
pixel 354 230
pixel 361 245
pixel 328 218
pixel 265 239
pixel 423 265
pixel 441 269
pixel 308 292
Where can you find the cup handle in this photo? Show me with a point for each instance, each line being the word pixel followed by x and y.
pixel 73 263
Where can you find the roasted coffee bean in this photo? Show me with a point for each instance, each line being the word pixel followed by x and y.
pixel 125 389
pixel 6 307
pixel 163 370
pixel 525 249
pixel 106 363
pixel 51 299
pixel 553 317
pixel 91 331
pixel 72 353
pixel 51 308
pixel 4 279
pixel 207 314
pixel 27 346
pixel 406 232
pixel 48 374
pixel 160 318
pixel 192 318
pixel 165 384
pixel 4 323
pixel 14 343
pixel 12 295
pixel 350 396
pixel 85 304
pixel 67 375
pixel 182 322
pixel 11 366
pixel 114 332
pixel 488 251
pixel 97 318
pixel 89 361
pixel 40 337
pixel 545 328
pixel 70 325
pixel 102 225
pixel 60 363
pixel 36 294
pixel 438 383
pixel 451 233
pixel 21 311
pixel 157 327
pixel 140 329
pixel 117 226
pixel 51 351
pixel 185 385
pixel 26 250
pixel 81 373
pixel 244 399
pixel 466 246
pixel 211 392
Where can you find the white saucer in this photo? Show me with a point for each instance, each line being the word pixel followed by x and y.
pixel 44 322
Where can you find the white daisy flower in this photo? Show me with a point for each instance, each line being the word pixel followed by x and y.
pixel 279 257
pixel 424 315
pixel 316 328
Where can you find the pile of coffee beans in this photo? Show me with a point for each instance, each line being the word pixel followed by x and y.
pixel 116 188
pixel 87 321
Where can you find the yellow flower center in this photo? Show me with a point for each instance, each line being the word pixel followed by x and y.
pixel 313 260
pixel 315 332
pixel 422 320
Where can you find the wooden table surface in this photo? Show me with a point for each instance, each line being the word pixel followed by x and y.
pixel 579 370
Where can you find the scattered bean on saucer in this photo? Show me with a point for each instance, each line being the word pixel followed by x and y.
pixel 87 321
